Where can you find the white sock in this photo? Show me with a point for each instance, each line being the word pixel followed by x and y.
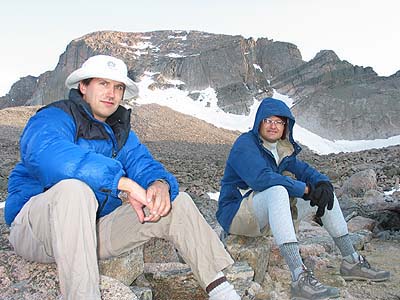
pixel 219 286
pixel 219 275
pixel 222 288
pixel 224 291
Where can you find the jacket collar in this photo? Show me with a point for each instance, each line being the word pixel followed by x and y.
pixel 119 121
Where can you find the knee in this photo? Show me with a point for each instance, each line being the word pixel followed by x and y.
pixel 76 191
pixel 336 209
pixel 279 190
pixel 184 202
pixel 276 192
pixel 182 199
pixel 274 199
pixel 73 186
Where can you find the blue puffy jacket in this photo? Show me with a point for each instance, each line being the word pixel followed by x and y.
pixel 63 140
pixel 252 167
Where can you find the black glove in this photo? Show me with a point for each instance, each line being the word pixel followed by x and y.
pixel 321 196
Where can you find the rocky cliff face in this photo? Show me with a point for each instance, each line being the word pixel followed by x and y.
pixel 337 100
pixel 333 98
pixel 20 93
pixel 238 69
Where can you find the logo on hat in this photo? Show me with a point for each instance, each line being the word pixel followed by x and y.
pixel 111 64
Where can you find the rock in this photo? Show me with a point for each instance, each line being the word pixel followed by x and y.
pixel 171 279
pixel 360 238
pixel 173 275
pixel 339 101
pixel 20 92
pixel 255 251
pixel 359 183
pixel 240 271
pixel 256 291
pixel 165 270
pixel 309 230
pixel 21 279
pixel 384 209
pixel 160 251
pixel 142 293
pixel 124 268
pixel 112 289
pixel 376 201
pixel 359 223
pixel 241 275
pixel 277 275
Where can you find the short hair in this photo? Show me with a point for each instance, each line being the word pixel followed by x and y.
pixel 84 82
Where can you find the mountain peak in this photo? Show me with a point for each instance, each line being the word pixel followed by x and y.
pixel 240 71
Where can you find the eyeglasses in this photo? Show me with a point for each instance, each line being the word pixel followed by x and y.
pixel 278 123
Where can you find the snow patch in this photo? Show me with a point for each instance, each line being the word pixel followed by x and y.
pixel 213 196
pixel 257 67
pixel 174 55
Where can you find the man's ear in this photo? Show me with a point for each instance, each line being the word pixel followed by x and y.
pixel 82 88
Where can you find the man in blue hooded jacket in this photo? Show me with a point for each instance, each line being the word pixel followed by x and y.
pixel 265 186
pixel 79 157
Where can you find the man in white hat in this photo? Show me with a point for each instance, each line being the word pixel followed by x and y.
pixel 79 157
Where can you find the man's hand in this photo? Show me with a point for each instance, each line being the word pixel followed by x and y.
pixel 133 190
pixel 138 207
pixel 156 199
pixel 321 196
pixel 158 195
pixel 136 195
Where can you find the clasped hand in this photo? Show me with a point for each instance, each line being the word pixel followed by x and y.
pixel 321 196
pixel 156 199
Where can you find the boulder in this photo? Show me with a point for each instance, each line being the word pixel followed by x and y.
pixel 124 268
pixel 21 279
pixel 255 251
pixel 359 183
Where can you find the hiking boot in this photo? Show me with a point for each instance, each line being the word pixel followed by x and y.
pixel 307 287
pixel 362 270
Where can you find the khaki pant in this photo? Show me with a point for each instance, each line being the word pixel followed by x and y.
pixel 245 221
pixel 60 226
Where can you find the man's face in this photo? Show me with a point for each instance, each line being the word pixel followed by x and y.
pixel 271 128
pixel 103 96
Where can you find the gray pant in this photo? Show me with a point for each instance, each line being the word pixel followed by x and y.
pixel 270 210
pixel 60 226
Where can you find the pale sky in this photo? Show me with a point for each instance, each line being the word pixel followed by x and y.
pixel 364 32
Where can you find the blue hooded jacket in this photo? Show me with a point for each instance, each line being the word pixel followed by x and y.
pixel 63 141
pixel 252 167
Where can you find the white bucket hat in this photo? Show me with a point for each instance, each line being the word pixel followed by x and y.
pixel 103 66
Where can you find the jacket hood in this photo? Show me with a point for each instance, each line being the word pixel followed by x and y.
pixel 273 107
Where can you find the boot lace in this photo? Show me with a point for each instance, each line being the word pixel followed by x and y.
pixel 364 263
pixel 309 278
